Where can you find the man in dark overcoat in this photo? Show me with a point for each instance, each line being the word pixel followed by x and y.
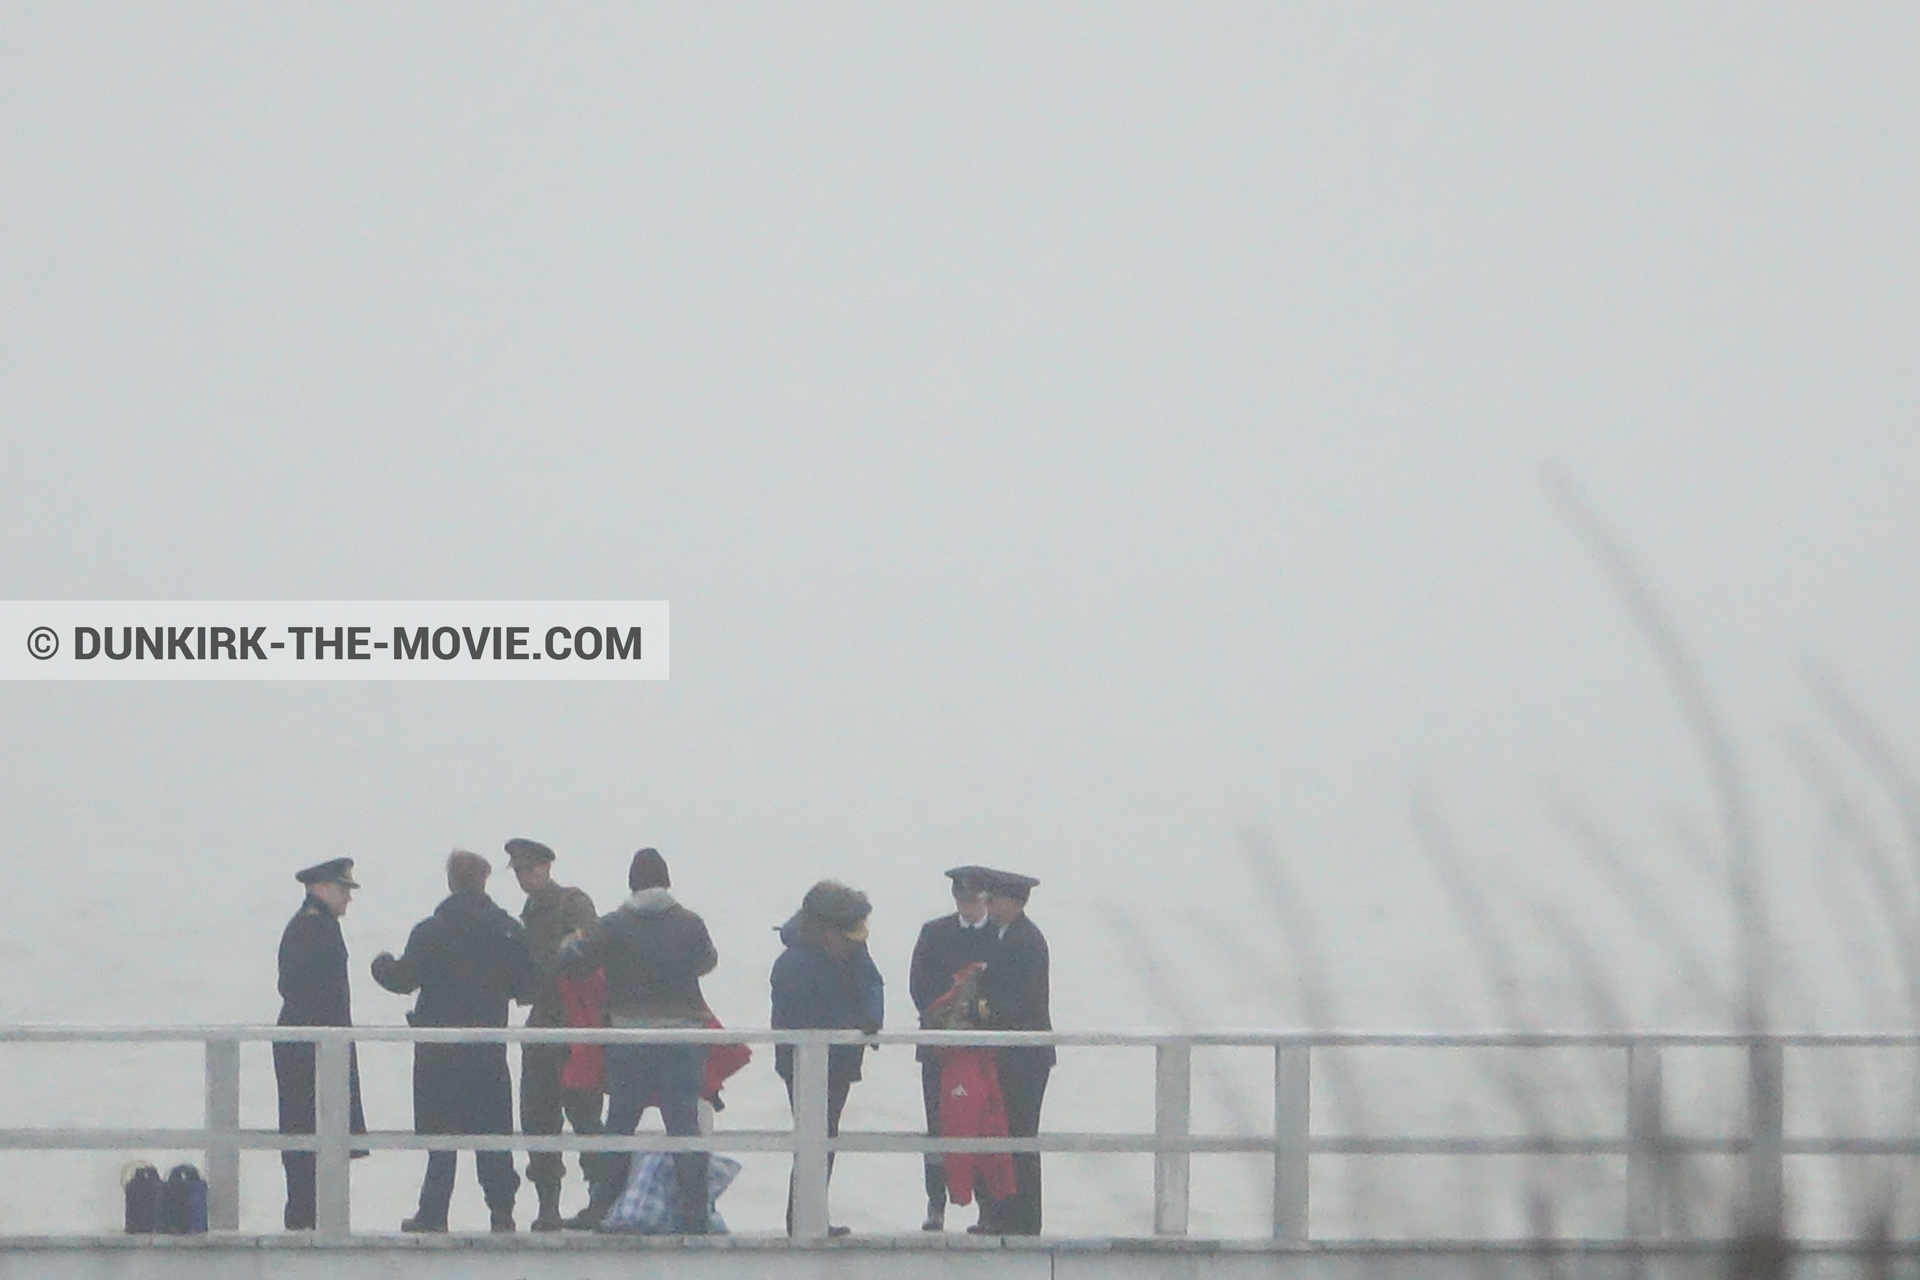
pixel 467 960
pixel 1014 997
pixel 553 913
pixel 313 993
pixel 945 946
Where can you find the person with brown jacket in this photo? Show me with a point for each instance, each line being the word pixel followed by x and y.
pixel 552 913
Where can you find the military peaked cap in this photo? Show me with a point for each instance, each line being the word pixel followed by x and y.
pixel 1010 884
pixel 524 853
pixel 332 871
pixel 969 878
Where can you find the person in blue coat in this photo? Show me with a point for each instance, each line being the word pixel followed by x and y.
pixel 826 979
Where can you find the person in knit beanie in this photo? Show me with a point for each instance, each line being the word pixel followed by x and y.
pixel 655 952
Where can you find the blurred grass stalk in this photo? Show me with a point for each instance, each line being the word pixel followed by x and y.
pixel 1758 1244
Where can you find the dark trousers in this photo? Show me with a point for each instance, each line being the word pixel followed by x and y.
pixel 1023 1084
pixel 544 1104
pixel 936 1164
pixel 663 1075
pixel 293 1073
pixel 667 1076
pixel 463 1088
pixel 836 1103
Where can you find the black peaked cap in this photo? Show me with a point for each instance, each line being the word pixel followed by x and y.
pixel 1011 883
pixel 332 871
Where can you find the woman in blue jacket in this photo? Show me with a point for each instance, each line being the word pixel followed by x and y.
pixel 826 978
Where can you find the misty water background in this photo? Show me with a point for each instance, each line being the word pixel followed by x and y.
pixel 1068 440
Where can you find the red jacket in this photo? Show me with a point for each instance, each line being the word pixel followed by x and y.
pixel 971 1107
pixel 584 998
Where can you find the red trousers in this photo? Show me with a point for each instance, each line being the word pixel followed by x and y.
pixel 971 1107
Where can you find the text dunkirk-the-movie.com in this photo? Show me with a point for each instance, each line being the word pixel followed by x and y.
pixel 333 640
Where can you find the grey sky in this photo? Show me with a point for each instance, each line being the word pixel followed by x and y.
pixel 1065 437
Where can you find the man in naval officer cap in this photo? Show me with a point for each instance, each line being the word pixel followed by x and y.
pixel 313 993
pixel 945 946
pixel 1014 996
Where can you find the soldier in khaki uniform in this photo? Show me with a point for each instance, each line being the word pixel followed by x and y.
pixel 553 913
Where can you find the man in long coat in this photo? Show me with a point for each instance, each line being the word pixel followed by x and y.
pixel 945 946
pixel 313 993
pixel 467 960
pixel 1014 996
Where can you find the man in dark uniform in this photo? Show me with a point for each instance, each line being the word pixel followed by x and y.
pixel 553 912
pixel 467 960
pixel 313 993
pixel 945 946
pixel 1014 997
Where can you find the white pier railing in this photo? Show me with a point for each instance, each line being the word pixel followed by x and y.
pixel 1645 1140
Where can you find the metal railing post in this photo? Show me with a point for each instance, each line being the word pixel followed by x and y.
pixel 810 1138
pixel 1646 1143
pixel 1766 1129
pixel 1292 1133
pixel 1172 1118
pixel 223 1135
pixel 333 1117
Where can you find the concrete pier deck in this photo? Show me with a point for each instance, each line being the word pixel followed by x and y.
pixel 232 1256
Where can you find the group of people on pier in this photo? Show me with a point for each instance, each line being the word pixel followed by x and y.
pixel 983 965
